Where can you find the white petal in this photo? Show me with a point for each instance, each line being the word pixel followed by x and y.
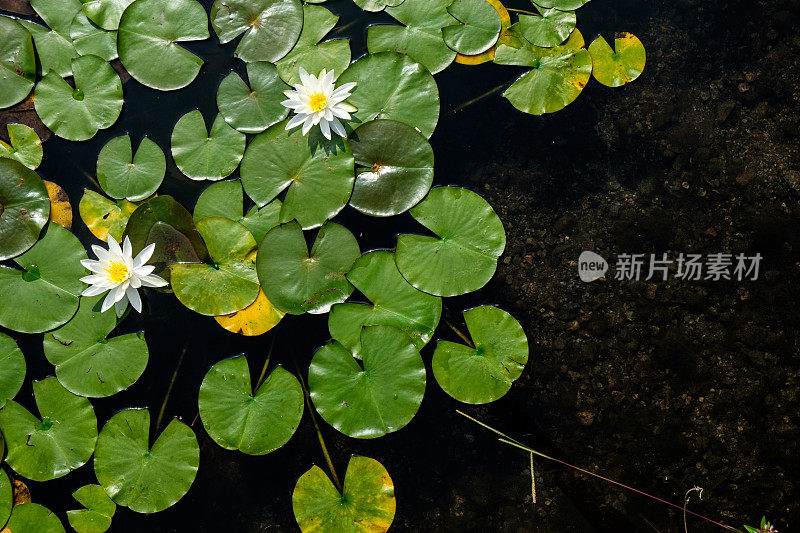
pixel 108 302
pixel 305 77
pixel 93 290
pixel 91 264
pixel 326 129
pixel 133 296
pixel 113 246
pixel 328 115
pixel 316 117
pixel 144 256
pixel 100 253
pixel 127 249
pixel 344 106
pixel 343 89
pixel 144 271
pixel 295 121
pixel 135 282
pixel 307 125
pixel 120 307
pixel 337 127
pixel 340 113
pixel 94 279
pixel 153 281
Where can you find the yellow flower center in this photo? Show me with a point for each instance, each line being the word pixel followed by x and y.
pixel 317 102
pixel 117 272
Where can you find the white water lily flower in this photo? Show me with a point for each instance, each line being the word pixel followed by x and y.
pixel 318 101
pixel 117 271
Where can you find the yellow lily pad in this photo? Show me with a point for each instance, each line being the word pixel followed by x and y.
pixel 60 208
pixel 103 216
pixel 256 319
pixel 621 65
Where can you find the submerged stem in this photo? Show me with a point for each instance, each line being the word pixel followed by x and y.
pixel 523 12
pixel 169 388
pixel 512 442
pixel 266 365
pixel 319 431
pixel 478 98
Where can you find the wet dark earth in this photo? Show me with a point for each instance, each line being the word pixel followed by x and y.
pixel 662 385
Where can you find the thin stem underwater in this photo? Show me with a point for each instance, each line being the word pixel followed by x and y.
pixel 460 334
pixel 513 442
pixel 169 388
pixel 266 365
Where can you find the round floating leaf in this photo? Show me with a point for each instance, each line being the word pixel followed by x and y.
pixel 17 63
pixel 319 179
pixel 87 362
pixel 297 281
pixel 366 505
pixel 485 372
pixel 420 38
pixel 24 208
pixel 149 33
pixel 58 443
pixel 548 30
pixel 44 294
pixel 60 208
pixel 98 512
pixel 270 27
pixel 395 87
pixel 505 38
pixel 253 108
pixel 518 51
pixel 563 5
pixel 622 65
pixel 143 478
pixel 312 55
pixel 201 155
pixel 256 319
pixel 399 167
pixel 103 216
pixel 254 423
pixel 227 285
pixel 12 374
pixel 124 175
pixel 479 28
pixel 6 495
pixel 226 198
pixel 89 39
pixel 25 147
pixel 463 256
pixel 105 13
pixel 78 113
pixel 53 44
pixel 144 221
pixel 33 518
pixel 394 303
pixel 558 76
pixel 376 5
pixel 368 402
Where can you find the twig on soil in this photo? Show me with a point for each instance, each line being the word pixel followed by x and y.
pixel 512 442
pixel 169 389
pixel 533 482
pixel 686 503
pixel 460 334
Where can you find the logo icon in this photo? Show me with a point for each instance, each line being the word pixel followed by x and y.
pixel 591 266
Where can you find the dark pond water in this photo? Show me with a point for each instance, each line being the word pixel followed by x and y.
pixel 439 458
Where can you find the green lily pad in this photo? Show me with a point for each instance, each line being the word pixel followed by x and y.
pixel 518 51
pixel 398 171
pixel 24 208
pixel 105 217
pixel 33 518
pixel 237 418
pixel 463 256
pixel 421 36
pixel 87 362
pixel 379 396
pixel 319 182
pixel 622 65
pixel 98 512
pixel 12 371
pixel 230 282
pixel 563 5
pixel 478 30
pixel 558 76
pixel 312 55
pixel 395 87
pixel 366 504
pixel 17 63
pixel 485 372
pixel 58 443
pixel 25 147
pixel 253 108
pixel 226 198
pixel 149 33
pixel 550 29
pixel 53 44
pixel 394 302
pixel 78 113
pixel 204 155
pixel 90 39
pixel 6 494
pixel 270 27
pixel 124 175
pixel 163 209
pixel 143 478
pixel 105 13
pixel 298 282
pixel 376 5
pixel 44 294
